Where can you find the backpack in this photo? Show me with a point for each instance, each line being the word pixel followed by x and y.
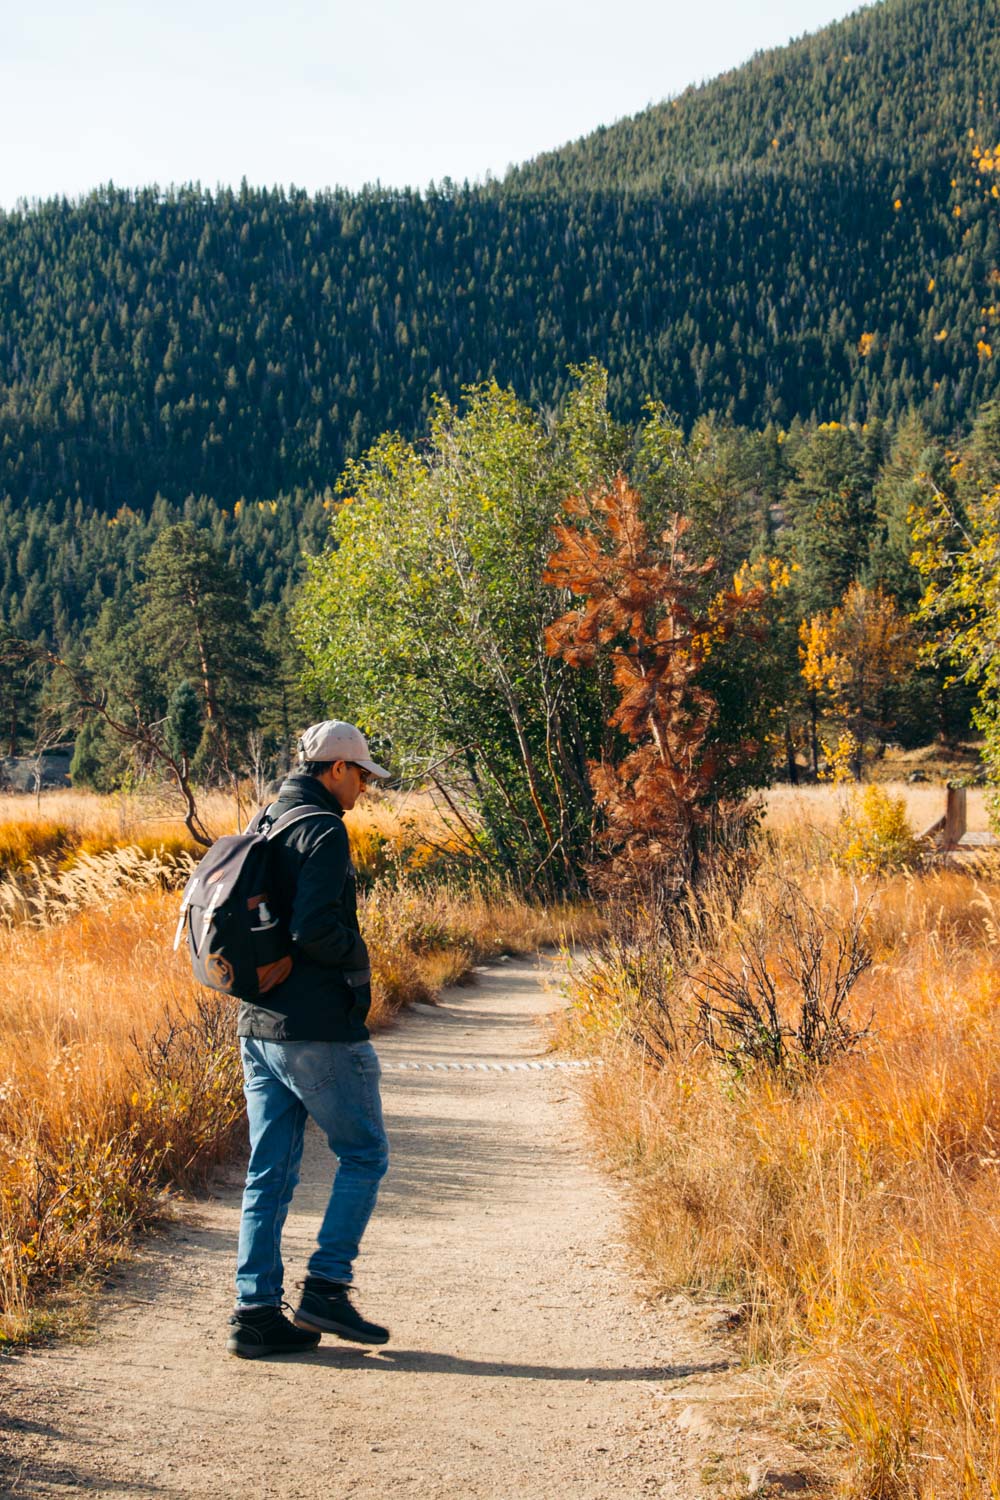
pixel 236 943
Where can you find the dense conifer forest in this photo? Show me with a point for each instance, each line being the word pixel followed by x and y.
pixel 61 560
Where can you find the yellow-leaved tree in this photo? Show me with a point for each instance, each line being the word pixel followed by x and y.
pixel 956 532
pixel 957 539
pixel 856 658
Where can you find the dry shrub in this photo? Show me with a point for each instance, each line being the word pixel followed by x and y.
pixel 624 990
pixel 783 997
pixel 873 834
pixel 853 1207
pixel 653 933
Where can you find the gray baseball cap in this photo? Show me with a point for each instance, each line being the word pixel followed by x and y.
pixel 334 740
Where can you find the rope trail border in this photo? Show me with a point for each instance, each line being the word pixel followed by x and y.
pixel 534 1066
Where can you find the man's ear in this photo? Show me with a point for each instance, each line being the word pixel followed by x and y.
pixel 335 770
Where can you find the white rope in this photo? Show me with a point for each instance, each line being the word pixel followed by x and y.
pixel 432 1066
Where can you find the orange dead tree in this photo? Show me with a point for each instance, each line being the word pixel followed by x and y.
pixel 650 610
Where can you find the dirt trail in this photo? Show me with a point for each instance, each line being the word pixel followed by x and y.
pixel 521 1362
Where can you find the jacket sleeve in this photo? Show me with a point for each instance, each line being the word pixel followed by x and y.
pixel 317 924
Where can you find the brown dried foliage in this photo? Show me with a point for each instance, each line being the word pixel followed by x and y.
pixel 648 610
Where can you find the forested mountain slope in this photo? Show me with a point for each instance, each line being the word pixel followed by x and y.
pixel 897 83
pixel 61 560
pixel 803 236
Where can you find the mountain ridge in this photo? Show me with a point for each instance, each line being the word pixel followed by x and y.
pixel 803 236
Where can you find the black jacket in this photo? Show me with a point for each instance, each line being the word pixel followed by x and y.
pixel 314 893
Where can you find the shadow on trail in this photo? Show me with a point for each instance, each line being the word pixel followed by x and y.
pixel 35 1476
pixel 429 1362
pixel 23 1424
pixel 456 1032
pixel 438 1161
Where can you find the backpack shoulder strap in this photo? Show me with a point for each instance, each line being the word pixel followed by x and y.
pixel 258 818
pixel 298 815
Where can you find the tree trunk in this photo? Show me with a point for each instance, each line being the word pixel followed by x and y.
pixel 208 686
pixel 813 735
pixel 792 768
pixel 192 822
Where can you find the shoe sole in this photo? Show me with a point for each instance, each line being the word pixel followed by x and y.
pixel 262 1349
pixel 339 1330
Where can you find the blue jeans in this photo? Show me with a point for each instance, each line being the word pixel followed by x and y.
pixel 337 1083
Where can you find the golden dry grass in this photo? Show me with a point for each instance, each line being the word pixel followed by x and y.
pixel 120 818
pixel 423 938
pixel 791 808
pixel 390 833
pixel 94 1116
pixel 855 1208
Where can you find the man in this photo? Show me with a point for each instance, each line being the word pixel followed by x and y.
pixel 306 1053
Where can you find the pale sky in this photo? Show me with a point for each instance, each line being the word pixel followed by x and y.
pixel 325 93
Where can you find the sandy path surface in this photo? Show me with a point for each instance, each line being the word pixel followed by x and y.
pixel 521 1362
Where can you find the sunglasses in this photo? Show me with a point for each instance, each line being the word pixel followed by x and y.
pixel 366 776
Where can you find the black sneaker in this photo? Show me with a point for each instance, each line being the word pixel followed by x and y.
pixel 326 1305
pixel 266 1330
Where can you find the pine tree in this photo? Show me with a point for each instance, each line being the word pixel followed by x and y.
pixel 184 725
pixel 194 622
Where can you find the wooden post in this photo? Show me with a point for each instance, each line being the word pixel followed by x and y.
pixel 954 816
